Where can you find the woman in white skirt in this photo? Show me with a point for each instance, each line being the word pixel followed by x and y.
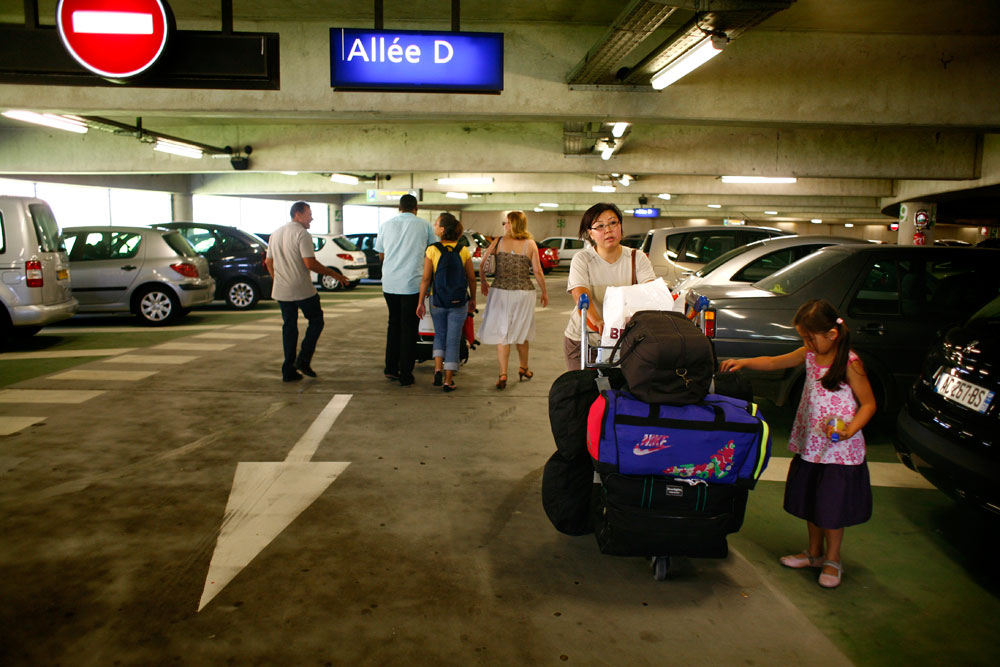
pixel 510 302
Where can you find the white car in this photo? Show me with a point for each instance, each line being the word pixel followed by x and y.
pixel 756 261
pixel 566 246
pixel 338 252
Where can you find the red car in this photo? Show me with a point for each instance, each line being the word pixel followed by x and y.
pixel 549 257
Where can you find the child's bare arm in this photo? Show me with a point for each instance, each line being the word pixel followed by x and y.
pixel 789 360
pixel 858 381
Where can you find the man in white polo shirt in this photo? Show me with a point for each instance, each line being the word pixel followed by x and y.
pixel 290 261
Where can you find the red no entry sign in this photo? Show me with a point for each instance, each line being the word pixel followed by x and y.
pixel 113 38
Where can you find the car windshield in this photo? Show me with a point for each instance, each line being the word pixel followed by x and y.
pixel 988 313
pixel 722 259
pixel 344 243
pixel 791 278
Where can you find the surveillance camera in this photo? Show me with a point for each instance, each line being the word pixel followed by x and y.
pixel 240 163
pixel 643 200
pixel 387 177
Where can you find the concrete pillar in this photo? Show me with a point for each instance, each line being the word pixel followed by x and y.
pixel 908 214
pixel 336 213
pixel 182 206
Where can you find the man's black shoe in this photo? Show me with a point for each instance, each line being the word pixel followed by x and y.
pixel 291 378
pixel 406 381
pixel 305 369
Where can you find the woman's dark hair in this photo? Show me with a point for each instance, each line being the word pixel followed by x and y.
pixel 591 214
pixel 451 228
pixel 819 316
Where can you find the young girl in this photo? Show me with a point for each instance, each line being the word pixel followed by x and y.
pixel 828 482
pixel 448 321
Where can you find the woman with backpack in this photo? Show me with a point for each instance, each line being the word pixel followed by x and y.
pixel 510 302
pixel 449 277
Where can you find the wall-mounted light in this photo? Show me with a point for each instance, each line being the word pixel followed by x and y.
pixel 770 213
pixel 538 210
pixel 346 179
pixel 758 179
pixel 603 188
pixel 465 180
pixel 178 148
pixel 714 205
pixel 664 195
pixel 693 58
pixel 457 195
pixel 618 129
pixel 548 204
pixel 625 180
pixel 56 121
pixel 608 150
pixel 848 224
pixel 816 221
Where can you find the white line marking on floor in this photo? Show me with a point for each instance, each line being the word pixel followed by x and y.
pixel 9 425
pixel 340 311
pixel 47 395
pixel 194 347
pixel 267 497
pixel 168 359
pixel 227 335
pixel 882 474
pixel 64 354
pixel 122 376
pixel 62 331
pixel 256 327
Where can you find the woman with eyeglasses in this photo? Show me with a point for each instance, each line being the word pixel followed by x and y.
pixel 604 263
pixel 509 317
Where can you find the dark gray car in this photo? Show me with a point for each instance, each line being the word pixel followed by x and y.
pixel 894 300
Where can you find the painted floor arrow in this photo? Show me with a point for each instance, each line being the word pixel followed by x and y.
pixel 266 497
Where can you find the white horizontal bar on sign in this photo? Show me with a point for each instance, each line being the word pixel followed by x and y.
pixel 112 23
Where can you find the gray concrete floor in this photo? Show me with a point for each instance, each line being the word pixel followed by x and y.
pixel 431 546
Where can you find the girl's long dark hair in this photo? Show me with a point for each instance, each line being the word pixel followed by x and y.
pixel 819 316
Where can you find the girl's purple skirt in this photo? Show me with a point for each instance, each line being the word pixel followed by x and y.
pixel 827 494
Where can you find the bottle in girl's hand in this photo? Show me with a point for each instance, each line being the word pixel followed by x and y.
pixel 833 425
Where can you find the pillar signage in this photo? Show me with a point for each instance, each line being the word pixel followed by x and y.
pixel 416 60
pixel 116 39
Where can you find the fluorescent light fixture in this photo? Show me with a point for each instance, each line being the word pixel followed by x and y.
pixel 629 211
pixel 290 173
pixel 848 224
pixel 603 188
pixel 177 148
pixel 625 180
pixel 346 179
pixel 664 195
pixel 758 179
pixel 770 213
pixel 619 129
pixel 466 180
pixel 457 195
pixel 714 205
pixel 607 152
pixel 538 210
pixel 816 221
pixel 547 204
pixel 692 59
pixel 48 120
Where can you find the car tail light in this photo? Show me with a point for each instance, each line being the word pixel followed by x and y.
pixel 263 256
pixel 33 272
pixel 478 252
pixel 185 269
pixel 708 316
pixel 344 256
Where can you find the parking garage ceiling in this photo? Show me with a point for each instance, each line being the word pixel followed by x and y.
pixel 864 101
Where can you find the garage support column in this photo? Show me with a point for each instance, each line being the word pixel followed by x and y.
pixel 909 212
pixel 182 207
pixel 336 212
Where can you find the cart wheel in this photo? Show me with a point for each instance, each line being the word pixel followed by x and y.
pixel 660 565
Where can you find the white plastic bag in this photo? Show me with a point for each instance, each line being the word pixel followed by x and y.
pixel 620 303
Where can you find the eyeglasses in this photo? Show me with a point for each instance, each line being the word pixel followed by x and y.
pixel 600 227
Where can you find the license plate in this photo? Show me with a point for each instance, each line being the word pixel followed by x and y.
pixel 62 274
pixel 964 393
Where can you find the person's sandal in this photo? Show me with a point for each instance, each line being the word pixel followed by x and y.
pixel 801 560
pixel 450 387
pixel 437 378
pixel 502 381
pixel 831 580
pixel 524 374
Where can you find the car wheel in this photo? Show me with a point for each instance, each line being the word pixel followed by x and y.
pixel 156 306
pixel 330 284
pixel 242 295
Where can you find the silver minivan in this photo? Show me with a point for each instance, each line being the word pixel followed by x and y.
pixel 153 273
pixel 34 269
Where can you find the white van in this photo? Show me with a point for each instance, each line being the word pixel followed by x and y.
pixel 34 268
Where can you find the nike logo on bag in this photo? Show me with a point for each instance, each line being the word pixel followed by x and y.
pixel 650 443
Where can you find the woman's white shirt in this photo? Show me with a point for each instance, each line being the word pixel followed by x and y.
pixel 590 270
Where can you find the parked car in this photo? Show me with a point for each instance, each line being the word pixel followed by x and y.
pixel 366 244
pixel 235 260
pixel 35 289
pixel 477 245
pixel 633 240
pixel 949 426
pixel 755 261
pixel 151 272
pixel 548 258
pixel 338 252
pixel 566 246
pixel 677 252
pixel 894 299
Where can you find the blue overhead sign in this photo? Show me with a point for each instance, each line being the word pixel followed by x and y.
pixel 646 212
pixel 416 60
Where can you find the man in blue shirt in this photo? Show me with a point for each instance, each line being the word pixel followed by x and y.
pixel 401 244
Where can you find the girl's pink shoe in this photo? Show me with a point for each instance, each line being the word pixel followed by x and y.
pixel 801 560
pixel 831 580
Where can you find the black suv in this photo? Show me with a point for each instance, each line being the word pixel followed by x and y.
pixel 948 429
pixel 366 244
pixel 235 260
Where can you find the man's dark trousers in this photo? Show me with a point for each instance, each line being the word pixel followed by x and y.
pixel 313 312
pixel 401 336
